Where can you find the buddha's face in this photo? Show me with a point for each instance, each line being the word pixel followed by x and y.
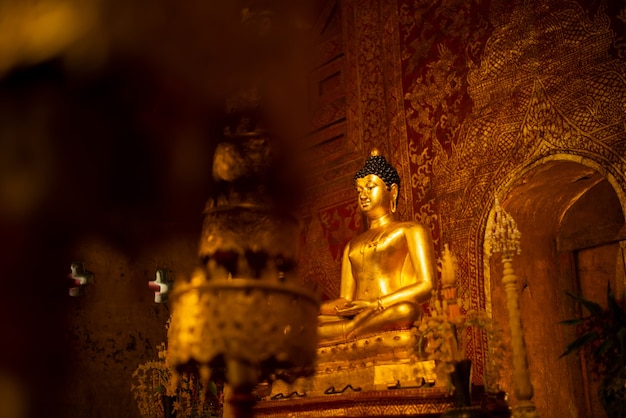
pixel 374 198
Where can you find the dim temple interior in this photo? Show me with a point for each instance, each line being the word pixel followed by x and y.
pixel 277 208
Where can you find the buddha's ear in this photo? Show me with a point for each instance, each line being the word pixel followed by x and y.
pixel 393 189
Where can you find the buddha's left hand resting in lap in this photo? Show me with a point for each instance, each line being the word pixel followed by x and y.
pixel 387 271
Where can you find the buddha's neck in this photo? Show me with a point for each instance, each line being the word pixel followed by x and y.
pixel 382 221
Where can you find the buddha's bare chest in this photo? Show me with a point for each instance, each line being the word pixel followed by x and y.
pixel 378 253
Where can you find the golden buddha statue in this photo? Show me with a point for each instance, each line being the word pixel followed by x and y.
pixel 387 271
pixel 367 339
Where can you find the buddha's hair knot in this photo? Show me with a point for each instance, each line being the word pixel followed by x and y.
pixel 378 165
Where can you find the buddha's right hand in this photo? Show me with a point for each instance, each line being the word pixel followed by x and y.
pixel 355 307
pixel 331 307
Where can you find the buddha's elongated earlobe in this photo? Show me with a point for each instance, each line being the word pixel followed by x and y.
pixel 394 197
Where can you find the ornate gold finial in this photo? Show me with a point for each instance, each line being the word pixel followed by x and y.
pixel 502 233
pixel 374 152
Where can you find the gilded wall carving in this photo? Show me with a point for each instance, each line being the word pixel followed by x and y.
pixel 545 86
pixel 548 82
pixel 439 41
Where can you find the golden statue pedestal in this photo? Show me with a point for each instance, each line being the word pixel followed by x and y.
pixel 375 362
pixel 375 376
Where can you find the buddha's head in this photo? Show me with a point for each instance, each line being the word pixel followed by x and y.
pixel 378 185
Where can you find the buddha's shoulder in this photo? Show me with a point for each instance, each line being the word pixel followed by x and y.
pixel 409 226
pixel 412 229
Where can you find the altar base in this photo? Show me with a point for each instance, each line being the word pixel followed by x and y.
pixel 390 403
pixel 372 376
pixel 384 361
